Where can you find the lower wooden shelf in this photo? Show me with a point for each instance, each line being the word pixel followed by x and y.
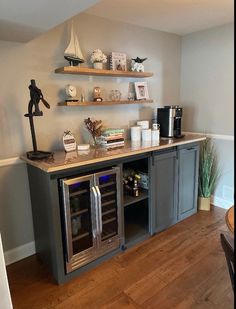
pixel 128 199
pixel 128 102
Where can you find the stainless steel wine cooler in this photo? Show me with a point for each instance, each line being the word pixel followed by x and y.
pixel 92 212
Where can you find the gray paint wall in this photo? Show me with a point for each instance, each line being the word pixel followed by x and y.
pixel 15 209
pixel 37 60
pixel 224 192
pixel 207 95
pixel 207 80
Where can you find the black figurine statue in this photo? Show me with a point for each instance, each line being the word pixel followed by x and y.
pixel 139 60
pixel 35 97
pixel 137 64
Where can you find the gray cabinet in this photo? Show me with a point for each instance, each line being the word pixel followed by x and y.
pixel 188 162
pixel 164 189
pixel 174 185
pixel 173 189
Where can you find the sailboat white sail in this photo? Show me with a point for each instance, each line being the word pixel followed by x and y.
pixel 73 52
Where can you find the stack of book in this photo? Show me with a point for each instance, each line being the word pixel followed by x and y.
pixel 112 138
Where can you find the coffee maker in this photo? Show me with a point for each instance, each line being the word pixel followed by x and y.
pixel 169 119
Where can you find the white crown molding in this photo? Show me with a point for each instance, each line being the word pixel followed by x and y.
pixel 10 161
pixel 19 253
pixel 211 135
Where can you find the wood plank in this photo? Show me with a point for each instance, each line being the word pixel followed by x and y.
pixel 182 267
pixel 103 103
pixel 121 301
pixel 96 72
pixel 188 290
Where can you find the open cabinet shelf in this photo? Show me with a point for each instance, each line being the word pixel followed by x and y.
pixel 128 199
pixel 96 72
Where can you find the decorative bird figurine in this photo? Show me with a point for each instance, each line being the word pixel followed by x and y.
pixel 139 60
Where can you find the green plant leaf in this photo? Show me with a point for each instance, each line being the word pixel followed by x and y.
pixel 208 170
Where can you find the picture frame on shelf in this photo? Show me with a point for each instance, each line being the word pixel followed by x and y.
pixel 118 61
pixel 141 90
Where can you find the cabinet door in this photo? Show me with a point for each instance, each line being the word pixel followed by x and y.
pixel 79 220
pixel 107 185
pixel 188 181
pixel 164 190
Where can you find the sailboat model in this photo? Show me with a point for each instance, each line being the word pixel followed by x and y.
pixel 73 52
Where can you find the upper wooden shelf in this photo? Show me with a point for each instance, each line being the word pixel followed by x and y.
pixel 95 72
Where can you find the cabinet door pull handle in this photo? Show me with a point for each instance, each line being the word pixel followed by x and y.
pixel 96 210
pixel 99 208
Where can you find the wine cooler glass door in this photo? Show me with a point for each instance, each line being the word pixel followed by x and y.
pixel 107 185
pixel 80 198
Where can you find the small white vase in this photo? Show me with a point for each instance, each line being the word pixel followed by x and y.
pixel 98 65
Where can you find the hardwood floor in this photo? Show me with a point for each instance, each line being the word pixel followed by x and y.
pixel 182 267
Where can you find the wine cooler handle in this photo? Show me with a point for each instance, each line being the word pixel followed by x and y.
pixel 95 195
pixel 99 208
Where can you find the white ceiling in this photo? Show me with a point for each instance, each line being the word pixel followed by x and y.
pixel 23 20
pixel 176 16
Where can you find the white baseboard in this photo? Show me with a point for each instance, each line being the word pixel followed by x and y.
pixel 220 202
pixel 19 253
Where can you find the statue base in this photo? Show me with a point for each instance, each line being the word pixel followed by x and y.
pixel 39 155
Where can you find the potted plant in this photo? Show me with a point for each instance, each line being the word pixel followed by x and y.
pixel 208 174
pixel 98 58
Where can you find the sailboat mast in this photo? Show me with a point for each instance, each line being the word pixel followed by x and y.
pixel 73 52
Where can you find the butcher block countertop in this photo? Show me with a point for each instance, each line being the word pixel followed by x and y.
pixel 62 160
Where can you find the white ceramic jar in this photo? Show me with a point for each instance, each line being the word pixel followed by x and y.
pixel 144 124
pixel 146 135
pixel 135 134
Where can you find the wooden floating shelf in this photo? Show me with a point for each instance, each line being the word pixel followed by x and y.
pixel 95 72
pixel 104 103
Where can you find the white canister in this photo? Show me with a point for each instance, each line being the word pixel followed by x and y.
pixel 135 134
pixel 146 135
pixel 144 124
pixel 155 136
pixel 146 143
pixel 135 144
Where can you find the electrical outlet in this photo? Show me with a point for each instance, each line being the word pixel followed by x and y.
pixel 228 193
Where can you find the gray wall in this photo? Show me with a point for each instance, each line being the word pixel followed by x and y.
pixel 37 60
pixel 15 210
pixel 224 192
pixel 207 95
